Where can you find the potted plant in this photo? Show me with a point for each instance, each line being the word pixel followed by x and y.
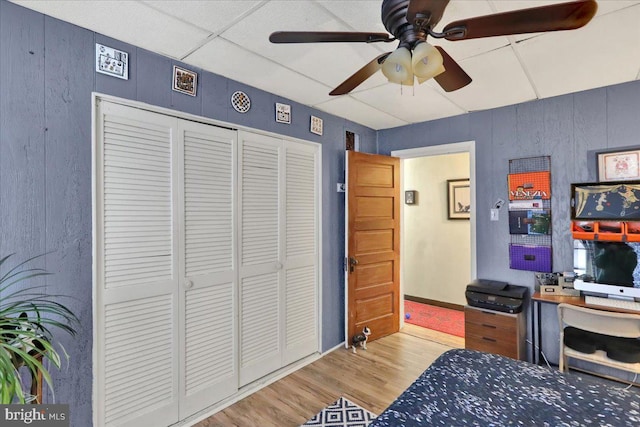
pixel 27 317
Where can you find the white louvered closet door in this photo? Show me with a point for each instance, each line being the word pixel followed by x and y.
pixel 300 271
pixel 136 268
pixel 260 263
pixel 278 253
pixel 208 292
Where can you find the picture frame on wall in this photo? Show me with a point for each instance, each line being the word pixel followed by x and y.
pixel 458 199
pixel 184 81
pixel 619 166
pixel 283 113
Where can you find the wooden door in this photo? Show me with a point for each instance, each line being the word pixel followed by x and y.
pixel 373 244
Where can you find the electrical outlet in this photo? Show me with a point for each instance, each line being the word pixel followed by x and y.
pixel 494 214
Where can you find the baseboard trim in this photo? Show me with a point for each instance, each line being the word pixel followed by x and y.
pixel 434 302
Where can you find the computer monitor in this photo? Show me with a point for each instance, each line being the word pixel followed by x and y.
pixel 608 268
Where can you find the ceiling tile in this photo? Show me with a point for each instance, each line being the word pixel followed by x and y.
pixel 498 80
pixel 136 23
pixel 329 63
pixel 346 106
pixel 363 15
pixel 222 57
pixel 602 53
pixel 213 16
pixel 413 104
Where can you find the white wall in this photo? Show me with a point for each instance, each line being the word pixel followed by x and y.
pixel 436 260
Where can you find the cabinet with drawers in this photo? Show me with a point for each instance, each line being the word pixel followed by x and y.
pixel 495 332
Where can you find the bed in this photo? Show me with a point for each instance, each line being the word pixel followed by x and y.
pixel 467 387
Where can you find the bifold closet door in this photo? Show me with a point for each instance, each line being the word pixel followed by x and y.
pixel 206 252
pixel 260 264
pixel 300 252
pixel 136 268
pixel 208 339
pixel 278 293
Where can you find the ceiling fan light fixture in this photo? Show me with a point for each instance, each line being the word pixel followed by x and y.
pixel 427 62
pixel 397 66
pixel 438 72
pixel 408 81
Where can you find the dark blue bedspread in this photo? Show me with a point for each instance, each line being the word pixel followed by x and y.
pixel 470 388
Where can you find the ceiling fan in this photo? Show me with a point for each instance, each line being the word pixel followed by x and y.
pixel 411 21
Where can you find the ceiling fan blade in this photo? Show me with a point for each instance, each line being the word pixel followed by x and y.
pixel 454 77
pixel 360 76
pixel 431 10
pixel 327 37
pixel 556 17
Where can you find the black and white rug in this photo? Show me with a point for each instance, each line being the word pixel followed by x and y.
pixel 341 413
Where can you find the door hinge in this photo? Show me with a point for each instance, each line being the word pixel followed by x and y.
pixel 345 264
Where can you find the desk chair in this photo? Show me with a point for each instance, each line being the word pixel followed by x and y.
pixel 611 324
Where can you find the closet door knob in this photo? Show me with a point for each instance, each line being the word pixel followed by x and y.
pixel 279 266
pixel 188 284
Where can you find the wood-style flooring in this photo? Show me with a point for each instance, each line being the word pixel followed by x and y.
pixel 372 379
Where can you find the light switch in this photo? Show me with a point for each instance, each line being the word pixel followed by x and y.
pixel 494 214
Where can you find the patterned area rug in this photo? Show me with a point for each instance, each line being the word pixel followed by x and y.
pixel 436 318
pixel 342 413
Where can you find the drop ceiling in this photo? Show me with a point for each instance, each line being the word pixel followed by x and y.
pixel 230 38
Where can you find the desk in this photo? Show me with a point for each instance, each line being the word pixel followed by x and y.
pixel 537 299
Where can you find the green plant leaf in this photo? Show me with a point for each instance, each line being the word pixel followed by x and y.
pixel 28 316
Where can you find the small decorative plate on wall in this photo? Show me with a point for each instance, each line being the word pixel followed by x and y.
pixel 240 101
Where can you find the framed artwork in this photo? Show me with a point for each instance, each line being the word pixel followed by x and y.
pixel 112 62
pixel 184 81
pixel 458 199
pixel 619 166
pixel 316 125
pixel 613 201
pixel 283 113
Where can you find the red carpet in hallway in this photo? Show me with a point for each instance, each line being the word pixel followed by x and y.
pixel 436 318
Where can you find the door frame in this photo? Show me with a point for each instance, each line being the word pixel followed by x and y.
pixel 438 150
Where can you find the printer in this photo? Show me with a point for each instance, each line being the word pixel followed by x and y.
pixel 496 295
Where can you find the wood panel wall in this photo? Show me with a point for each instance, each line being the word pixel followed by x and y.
pixel 46 81
pixel 570 129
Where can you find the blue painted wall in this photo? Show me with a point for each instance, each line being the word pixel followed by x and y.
pixel 569 128
pixel 46 81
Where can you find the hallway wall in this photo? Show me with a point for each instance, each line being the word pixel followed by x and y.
pixel 436 250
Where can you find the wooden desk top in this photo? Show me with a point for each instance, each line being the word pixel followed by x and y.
pixel 558 299
pixel 579 301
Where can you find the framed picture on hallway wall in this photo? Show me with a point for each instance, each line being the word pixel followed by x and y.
pixel 458 199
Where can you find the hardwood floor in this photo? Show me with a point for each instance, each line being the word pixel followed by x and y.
pixel 372 379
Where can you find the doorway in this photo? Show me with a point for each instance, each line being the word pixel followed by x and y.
pixel 438 253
